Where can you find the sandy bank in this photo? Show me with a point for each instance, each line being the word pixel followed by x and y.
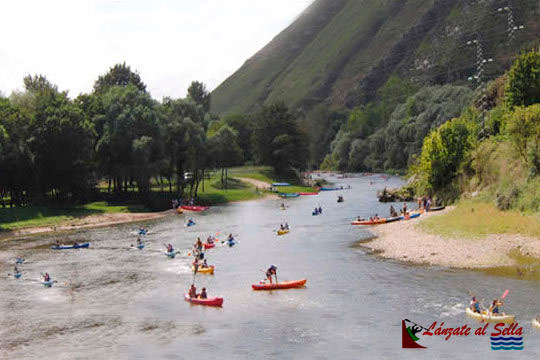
pixel 88 222
pixel 405 241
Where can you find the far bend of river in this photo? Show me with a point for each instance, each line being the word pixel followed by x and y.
pixel 116 302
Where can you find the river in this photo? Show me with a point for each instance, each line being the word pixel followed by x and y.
pixel 115 302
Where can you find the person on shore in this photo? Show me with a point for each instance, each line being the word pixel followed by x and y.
pixel 203 294
pixel 424 202
pixel 393 212
pixel 272 270
pixel 494 309
pixel 475 305
pixel 419 201
pixel 192 293
pixel 428 204
pixel 404 209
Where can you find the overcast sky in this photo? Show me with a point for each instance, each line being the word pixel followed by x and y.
pixel 170 43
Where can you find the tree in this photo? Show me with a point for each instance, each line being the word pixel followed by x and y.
pixel 130 128
pixel 243 125
pixel 198 93
pixel 277 140
pixel 523 128
pixel 225 150
pixel 443 151
pixel 523 88
pixel 60 137
pixel 118 75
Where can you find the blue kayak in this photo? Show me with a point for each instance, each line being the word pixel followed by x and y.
pixel 281 184
pixel 67 247
pixel 315 213
pixel 17 276
pixel 140 246
pixel 412 216
pixel 171 254
pixel 48 283
pixel 289 195
pixel 190 223
pixel 231 243
pixel 19 261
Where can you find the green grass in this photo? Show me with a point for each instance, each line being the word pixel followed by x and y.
pixel 475 218
pixel 266 174
pixel 236 191
pixel 22 217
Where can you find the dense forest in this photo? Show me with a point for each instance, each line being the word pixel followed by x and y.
pixel 116 138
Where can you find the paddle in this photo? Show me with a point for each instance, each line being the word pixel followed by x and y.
pixel 504 294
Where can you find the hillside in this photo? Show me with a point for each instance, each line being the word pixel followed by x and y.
pixel 342 51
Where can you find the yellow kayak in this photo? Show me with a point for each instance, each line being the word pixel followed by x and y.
pixel 208 270
pixel 484 316
pixel 283 232
pixel 536 323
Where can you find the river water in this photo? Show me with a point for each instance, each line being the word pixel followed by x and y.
pixel 115 302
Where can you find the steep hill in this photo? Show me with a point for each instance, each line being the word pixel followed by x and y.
pixel 342 51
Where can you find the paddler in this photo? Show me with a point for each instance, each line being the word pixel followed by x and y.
pixel 199 244
pixel 46 277
pixel 404 209
pixel 170 248
pixel 210 240
pixel 192 293
pixel 475 305
pixel 287 226
pixel 272 270
pixel 494 309
pixel 204 265
pixel 203 294
pixel 320 209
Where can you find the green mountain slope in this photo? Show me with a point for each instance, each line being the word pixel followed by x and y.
pixel 342 51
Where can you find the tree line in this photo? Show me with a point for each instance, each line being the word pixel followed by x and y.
pixel 117 137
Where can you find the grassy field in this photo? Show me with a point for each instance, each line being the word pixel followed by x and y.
pixel 236 190
pixel 266 174
pixel 22 217
pixel 475 218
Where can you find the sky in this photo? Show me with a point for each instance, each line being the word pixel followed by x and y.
pixel 170 43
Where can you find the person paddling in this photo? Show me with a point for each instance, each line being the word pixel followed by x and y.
pixel 46 277
pixel 272 270
pixel 494 309
pixel 199 244
pixel 170 248
pixel 203 294
pixel 287 226
pixel 192 291
pixel 475 305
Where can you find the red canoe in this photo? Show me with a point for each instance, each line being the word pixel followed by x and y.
pixel 281 285
pixel 194 208
pixel 209 246
pixel 215 301
pixel 309 193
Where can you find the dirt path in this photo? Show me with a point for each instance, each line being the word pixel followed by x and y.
pixel 405 241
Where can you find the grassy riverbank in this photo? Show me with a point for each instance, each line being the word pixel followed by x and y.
pixel 96 213
pixel 476 218
pixel 266 174
pixel 37 216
